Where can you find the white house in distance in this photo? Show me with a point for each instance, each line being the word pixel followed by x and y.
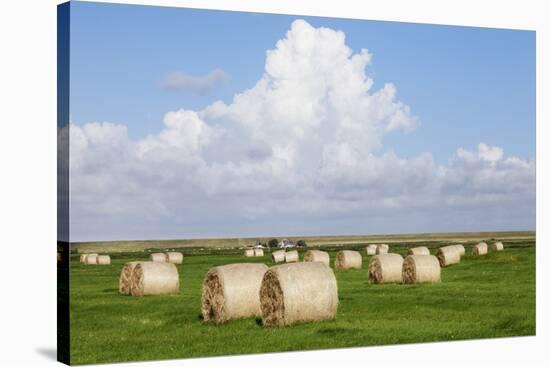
pixel 286 243
pixel 257 244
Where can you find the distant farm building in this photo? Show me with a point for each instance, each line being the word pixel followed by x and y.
pixel 257 244
pixel 286 243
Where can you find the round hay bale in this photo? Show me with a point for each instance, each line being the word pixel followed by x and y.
pixel 153 278
pixel 497 246
pixel 317 255
pixel 300 292
pixel 174 257
pixel 91 259
pixel 386 268
pixel 347 259
pixel 83 258
pixel 448 255
pixel 382 249
pixel 421 250
pixel 479 249
pixel 249 252
pixel 292 256
pixel 103 260
pixel 258 252
pixel 278 256
pixel 461 249
pixel 232 292
pixel 370 250
pixel 421 269
pixel 158 257
pixel 124 282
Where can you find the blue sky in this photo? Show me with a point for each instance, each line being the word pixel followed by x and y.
pixel 464 86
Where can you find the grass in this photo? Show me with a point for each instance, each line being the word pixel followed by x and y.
pixel 482 297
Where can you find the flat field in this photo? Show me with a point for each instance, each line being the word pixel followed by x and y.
pixel 482 297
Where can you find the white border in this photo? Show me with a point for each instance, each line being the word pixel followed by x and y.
pixel 28 183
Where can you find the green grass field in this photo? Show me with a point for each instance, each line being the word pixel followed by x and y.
pixel 482 297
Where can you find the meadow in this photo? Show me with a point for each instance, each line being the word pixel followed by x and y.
pixel 482 297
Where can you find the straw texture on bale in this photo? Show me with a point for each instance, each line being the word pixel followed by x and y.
pixel 232 292
pixel 317 255
pixel 249 252
pixel 158 257
pixel 124 282
pixel 422 250
pixel 497 246
pixel 448 255
pixel 382 249
pixel 91 259
pixel 386 268
pixel 421 269
pixel 291 256
pixel 153 278
pixel 479 249
pixel 370 250
pixel 258 252
pixel 295 293
pixel 174 257
pixel 278 256
pixel 347 259
pixel 103 260
pixel 461 249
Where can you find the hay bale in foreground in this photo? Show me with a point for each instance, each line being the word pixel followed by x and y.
pixel 347 259
pixel 479 249
pixel 318 256
pixel 497 246
pixel 232 292
pixel 124 282
pixel 103 260
pixel 83 258
pixel 249 252
pixel 174 257
pixel 278 256
pixel 258 252
pixel 421 250
pixel 300 292
pixel 158 257
pixel 448 255
pixel 382 249
pixel 91 259
pixel 421 269
pixel 461 249
pixel 386 268
pixel 153 278
pixel 370 250
pixel 292 256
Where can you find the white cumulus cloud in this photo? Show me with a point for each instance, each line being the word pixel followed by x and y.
pixel 298 152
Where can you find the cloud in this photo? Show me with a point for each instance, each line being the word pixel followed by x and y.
pixel 301 151
pixel 197 84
